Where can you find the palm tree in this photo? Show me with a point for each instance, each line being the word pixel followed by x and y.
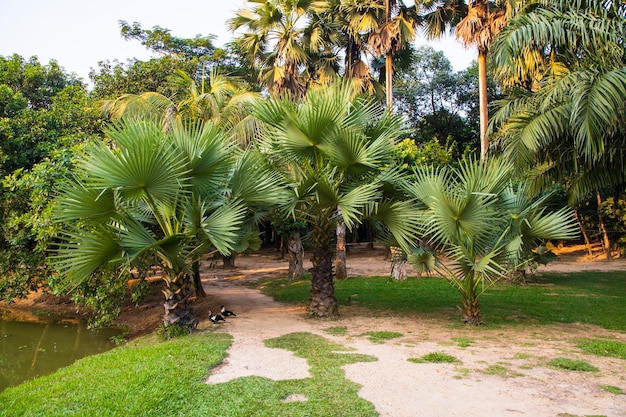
pixel 565 114
pixel 482 225
pixel 278 39
pixel 374 28
pixel 329 148
pixel 154 198
pixel 223 100
pixel 475 24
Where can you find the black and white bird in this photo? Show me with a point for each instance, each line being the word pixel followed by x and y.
pixel 214 317
pixel 227 313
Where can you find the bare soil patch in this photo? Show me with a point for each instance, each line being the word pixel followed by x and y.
pixel 502 372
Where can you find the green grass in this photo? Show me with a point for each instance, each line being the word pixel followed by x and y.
pixel 589 297
pixel 462 341
pixel 572 365
pixel 381 337
pixel 612 389
pixel 602 347
pixel 337 330
pixel 434 357
pixel 149 378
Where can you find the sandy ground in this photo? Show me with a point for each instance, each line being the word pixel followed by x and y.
pixel 398 388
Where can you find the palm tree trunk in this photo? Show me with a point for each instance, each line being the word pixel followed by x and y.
pixel 177 292
pixel 483 103
pixel 295 254
pixel 341 271
pixel 197 282
pixel 388 65
pixel 583 230
pixel 606 242
pixel 322 302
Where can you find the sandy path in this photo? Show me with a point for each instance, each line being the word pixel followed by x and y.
pixel 398 388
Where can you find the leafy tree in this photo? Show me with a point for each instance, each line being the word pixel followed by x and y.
pixel 438 101
pixel 155 198
pixel 46 116
pixel 481 224
pixel 161 40
pixel 565 116
pixel 475 24
pixel 111 80
pixel 330 148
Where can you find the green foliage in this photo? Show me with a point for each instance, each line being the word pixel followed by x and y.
pixel 412 155
pixel 601 347
pixel 572 365
pixel 434 357
pixel 112 80
pixel 171 331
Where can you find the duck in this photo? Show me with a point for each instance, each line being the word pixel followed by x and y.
pixel 215 318
pixel 227 313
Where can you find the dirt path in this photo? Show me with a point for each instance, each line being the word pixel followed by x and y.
pixel 502 372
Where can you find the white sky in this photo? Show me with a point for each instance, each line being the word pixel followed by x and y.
pixel 80 33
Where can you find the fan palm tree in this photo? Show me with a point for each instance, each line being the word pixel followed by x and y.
pixel 329 148
pixel 565 116
pixel 482 224
pixel 155 198
pixel 278 39
pixel 475 24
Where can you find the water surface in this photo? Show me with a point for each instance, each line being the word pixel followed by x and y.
pixel 42 345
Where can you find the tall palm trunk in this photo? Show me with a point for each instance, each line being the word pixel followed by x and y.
pixel 178 292
pixel 606 242
pixel 388 64
pixel 483 103
pixel 322 302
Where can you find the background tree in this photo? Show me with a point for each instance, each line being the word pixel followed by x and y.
pixel 277 39
pixel 475 25
pixel 45 117
pixel 438 101
pixel 330 148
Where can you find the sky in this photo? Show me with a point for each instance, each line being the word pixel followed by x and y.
pixel 80 33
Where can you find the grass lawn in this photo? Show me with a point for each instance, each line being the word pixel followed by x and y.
pixel 151 378
pixel 589 297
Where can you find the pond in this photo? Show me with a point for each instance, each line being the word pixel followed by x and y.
pixel 32 346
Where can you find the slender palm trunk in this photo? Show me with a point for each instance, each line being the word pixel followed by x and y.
pixel 483 103
pixel 341 270
pixel 295 255
pixel 388 64
pixel 322 302
pixel 583 230
pixel 178 292
pixel 606 242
